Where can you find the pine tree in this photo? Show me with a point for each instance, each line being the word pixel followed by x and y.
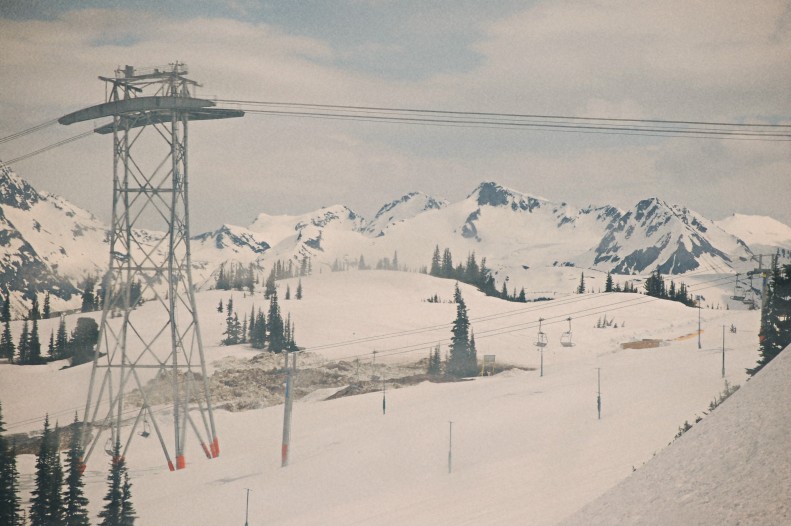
pixel 269 286
pixel 83 340
pixel 35 313
pixel 608 283
pixel 581 287
pixel 395 261
pixel 251 326
pixel 51 348
pixel 47 308
pixel 446 271
pixel 435 262
pixel 7 347
pixel 258 337
pixel 24 345
pixel 288 292
pixel 61 340
pixel 458 362
pixel 299 290
pixel 275 326
pixel 118 510
pixel 128 515
pixel 434 362
pixel 34 345
pixel 775 332
pixel 219 307
pixel 46 507
pixel 88 299
pixel 9 481
pixel 75 503
pixel 5 311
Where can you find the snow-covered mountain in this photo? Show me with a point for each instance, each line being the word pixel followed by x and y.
pixel 673 239
pixel 401 210
pixel 761 233
pixel 49 244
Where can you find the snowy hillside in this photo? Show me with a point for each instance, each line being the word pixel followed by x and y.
pixel 401 210
pixel 526 448
pixel 733 467
pixel 760 232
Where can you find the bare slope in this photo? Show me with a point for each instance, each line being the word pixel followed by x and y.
pixel 733 467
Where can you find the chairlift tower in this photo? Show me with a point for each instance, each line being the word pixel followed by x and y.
pixel 150 110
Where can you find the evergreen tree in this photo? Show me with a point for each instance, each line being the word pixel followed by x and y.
pixel 35 313
pixel 46 506
pixel 775 332
pixel 269 286
pixel 251 326
pixel 24 345
pixel 581 287
pixel 288 292
pixel 47 307
pixel 446 271
pixel 395 261
pixel 459 360
pixel 434 362
pixel 83 341
pixel 243 331
pixel 9 481
pixel 435 262
pixel 51 348
pixel 88 299
pixel 7 347
pixel 504 292
pixel 61 340
pixel 219 307
pixel 5 311
pixel 35 345
pixel 299 290
pixel 608 283
pixel 118 509
pixel 275 326
pixel 522 296
pixel 472 356
pixel 75 503
pixel 258 338
pixel 128 515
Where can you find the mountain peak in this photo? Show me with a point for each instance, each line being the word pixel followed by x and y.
pixel 399 210
pixel 15 191
pixel 490 193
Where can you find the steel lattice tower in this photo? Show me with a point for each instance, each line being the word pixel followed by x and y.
pixel 161 363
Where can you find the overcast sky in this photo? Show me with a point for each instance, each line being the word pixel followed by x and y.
pixel 677 60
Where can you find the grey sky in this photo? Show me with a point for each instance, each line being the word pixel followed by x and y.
pixel 713 61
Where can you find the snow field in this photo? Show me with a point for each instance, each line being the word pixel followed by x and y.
pixel 525 448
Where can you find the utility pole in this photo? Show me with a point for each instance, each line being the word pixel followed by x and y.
pixel 598 391
pixel 450 447
pixel 723 351
pixel 698 322
pixel 247 507
pixel 286 421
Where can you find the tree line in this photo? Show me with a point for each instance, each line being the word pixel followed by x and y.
pixel 58 498
pixel 260 330
pixel 77 347
pixel 775 332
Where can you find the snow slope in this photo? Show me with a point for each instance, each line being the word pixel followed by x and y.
pixel 759 231
pixel 733 467
pixel 526 448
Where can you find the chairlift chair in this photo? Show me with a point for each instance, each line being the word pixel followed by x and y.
pixel 738 291
pixel 565 338
pixel 146 432
pixel 541 338
pixel 108 446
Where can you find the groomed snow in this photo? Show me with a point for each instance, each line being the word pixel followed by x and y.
pixel 526 449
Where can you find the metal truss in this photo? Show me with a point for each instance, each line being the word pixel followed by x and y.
pixel 149 369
